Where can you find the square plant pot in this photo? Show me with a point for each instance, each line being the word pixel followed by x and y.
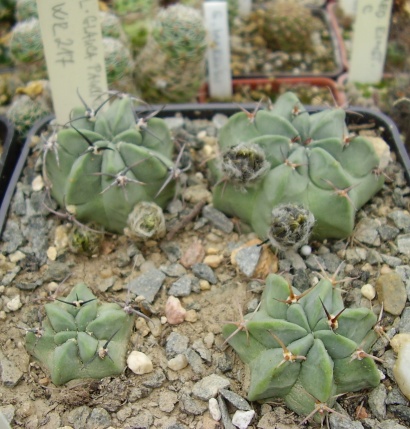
pixel 253 89
pixel 333 38
pixel 357 116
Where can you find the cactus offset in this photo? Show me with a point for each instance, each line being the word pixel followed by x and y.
pixel 107 164
pixel 81 338
pixel 313 161
pixel 305 347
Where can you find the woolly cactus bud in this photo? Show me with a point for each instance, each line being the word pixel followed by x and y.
pixel 81 338
pixel 107 163
pixel 244 164
pixel 312 161
pixel 26 9
pixel 305 348
pixel 287 26
pixel 145 222
pixel 171 66
pixel 291 226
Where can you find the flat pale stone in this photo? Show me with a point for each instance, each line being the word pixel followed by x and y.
pixel 391 292
pixel 401 369
pixel 139 363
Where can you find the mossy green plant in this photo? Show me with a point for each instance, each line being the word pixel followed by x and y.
pixel 305 348
pixel 81 338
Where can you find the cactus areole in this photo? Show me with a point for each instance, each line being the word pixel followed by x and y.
pixel 312 161
pixel 102 166
pixel 305 348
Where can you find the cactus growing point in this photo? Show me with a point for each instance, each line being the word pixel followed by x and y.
pixel 102 166
pixel 312 160
pixel 81 338
pixel 305 347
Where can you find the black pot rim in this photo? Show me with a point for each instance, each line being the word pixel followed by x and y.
pixel 355 115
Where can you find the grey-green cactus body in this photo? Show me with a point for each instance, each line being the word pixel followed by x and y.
pixel 312 162
pixel 73 337
pixel 126 164
pixel 326 364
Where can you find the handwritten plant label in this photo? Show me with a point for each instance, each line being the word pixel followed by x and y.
pixel 72 39
pixel 219 53
pixel 371 30
pixel 349 7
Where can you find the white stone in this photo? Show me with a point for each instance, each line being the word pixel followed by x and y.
pixel 52 253
pixel 368 291
pixel 401 369
pixel 305 250
pixel 139 363
pixel 17 256
pixel 242 419
pixel 14 304
pixel 214 409
pixel 37 184
pixel 178 362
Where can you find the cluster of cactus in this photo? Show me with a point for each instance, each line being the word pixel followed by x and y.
pixel 81 338
pixel 312 160
pixel 286 26
pixel 306 348
pixel 26 9
pixel 171 66
pixel 105 163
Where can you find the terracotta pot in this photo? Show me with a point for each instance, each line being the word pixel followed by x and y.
pixel 276 83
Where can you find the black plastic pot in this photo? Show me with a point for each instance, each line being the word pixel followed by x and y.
pixel 9 156
pixel 355 115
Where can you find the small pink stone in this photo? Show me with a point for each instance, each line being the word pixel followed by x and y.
pixel 174 311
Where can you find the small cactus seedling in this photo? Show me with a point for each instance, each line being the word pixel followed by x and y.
pixel 305 348
pixel 105 163
pixel 286 155
pixel 81 338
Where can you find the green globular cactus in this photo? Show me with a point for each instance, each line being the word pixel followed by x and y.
pixel 313 161
pixel 287 26
pixel 81 338
pixel 171 66
pixel 26 50
pixel 105 165
pixel 305 348
pixel 111 25
pixel 26 9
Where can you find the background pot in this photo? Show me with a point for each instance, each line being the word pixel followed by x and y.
pixel 277 83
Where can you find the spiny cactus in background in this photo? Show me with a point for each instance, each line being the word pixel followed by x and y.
pixel 233 8
pixel 111 26
pixel 305 347
pixel 26 49
pixel 135 9
pixel 312 160
pixel 118 65
pixel 286 26
pixel 81 338
pixel 103 165
pixel 26 9
pixel 171 67
pixel 30 104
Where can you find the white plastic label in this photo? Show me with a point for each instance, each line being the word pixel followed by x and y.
pixel 349 7
pixel 71 33
pixel 219 53
pixel 371 30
